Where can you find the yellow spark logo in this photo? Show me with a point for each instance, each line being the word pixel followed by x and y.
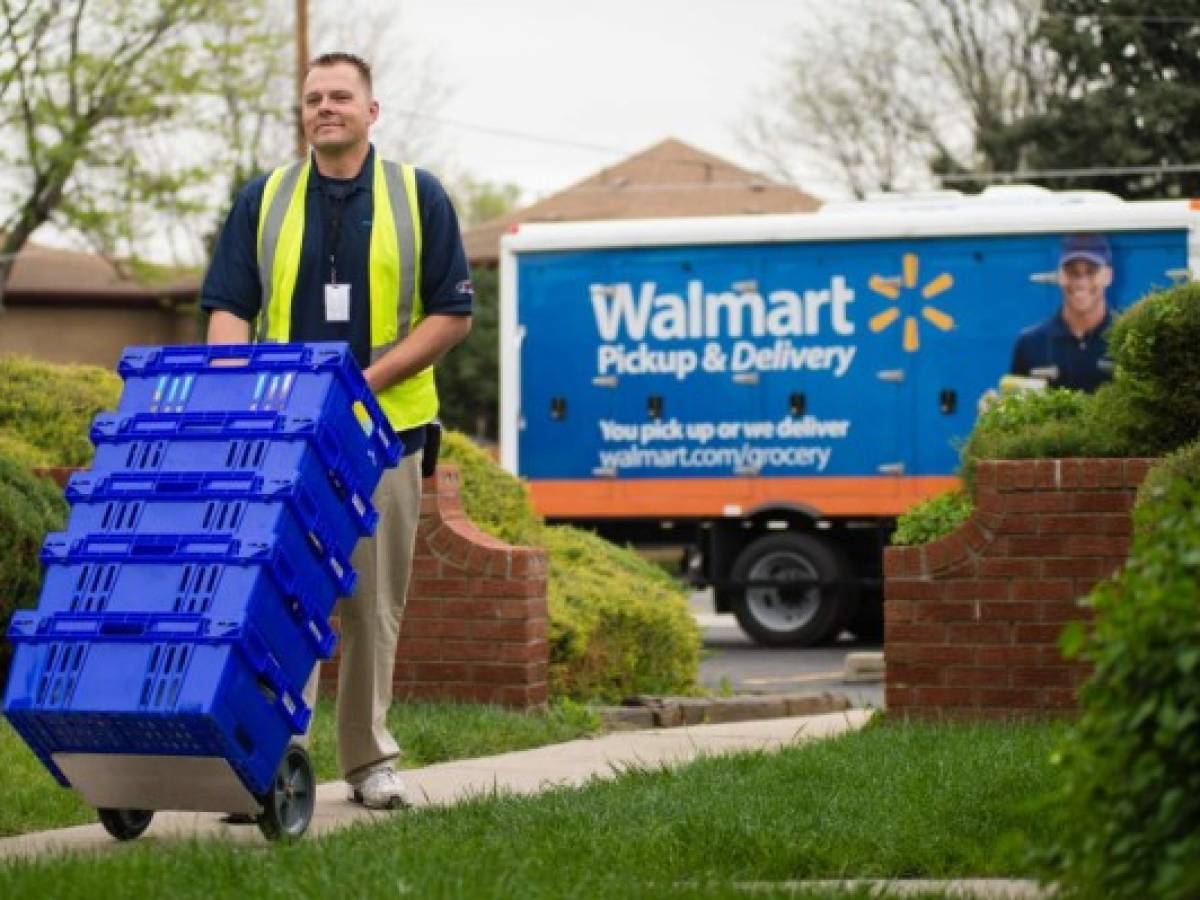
pixel 890 288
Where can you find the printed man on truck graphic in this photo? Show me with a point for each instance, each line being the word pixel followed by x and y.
pixel 1069 349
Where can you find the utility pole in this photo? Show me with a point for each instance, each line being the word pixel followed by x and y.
pixel 301 66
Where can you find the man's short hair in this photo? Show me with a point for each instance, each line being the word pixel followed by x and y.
pixel 340 56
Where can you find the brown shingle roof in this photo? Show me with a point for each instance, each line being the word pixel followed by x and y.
pixel 668 180
pixel 48 274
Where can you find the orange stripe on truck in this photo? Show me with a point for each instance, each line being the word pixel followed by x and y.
pixel 671 498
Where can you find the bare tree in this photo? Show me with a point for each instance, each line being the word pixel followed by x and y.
pixel 881 96
pixel 846 102
pixel 1000 72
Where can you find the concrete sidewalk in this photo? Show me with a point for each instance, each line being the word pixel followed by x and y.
pixel 523 772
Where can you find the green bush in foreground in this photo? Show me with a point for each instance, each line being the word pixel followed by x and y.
pixel 1130 804
pixel 618 625
pixel 1183 464
pixel 29 507
pixel 46 410
pixel 933 518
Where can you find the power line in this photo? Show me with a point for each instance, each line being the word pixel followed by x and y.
pixel 517 135
pixel 1149 20
pixel 1073 173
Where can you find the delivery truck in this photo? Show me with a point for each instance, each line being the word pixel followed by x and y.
pixel 770 392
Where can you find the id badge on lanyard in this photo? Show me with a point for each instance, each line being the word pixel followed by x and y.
pixel 337 294
pixel 337 303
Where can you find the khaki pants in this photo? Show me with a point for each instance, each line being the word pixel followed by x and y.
pixel 370 621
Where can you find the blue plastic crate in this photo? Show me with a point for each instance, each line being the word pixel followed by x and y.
pixel 226 504
pixel 327 578
pixel 166 685
pixel 270 595
pixel 298 575
pixel 270 444
pixel 317 381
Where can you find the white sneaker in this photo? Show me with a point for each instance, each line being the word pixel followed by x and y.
pixel 382 789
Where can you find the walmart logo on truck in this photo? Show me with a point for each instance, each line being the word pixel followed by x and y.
pixel 625 318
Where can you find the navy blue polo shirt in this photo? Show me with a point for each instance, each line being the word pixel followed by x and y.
pixel 341 208
pixel 1082 362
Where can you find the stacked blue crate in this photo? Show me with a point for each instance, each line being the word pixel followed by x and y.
pixel 187 602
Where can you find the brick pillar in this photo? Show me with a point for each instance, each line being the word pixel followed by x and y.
pixel 973 620
pixel 475 624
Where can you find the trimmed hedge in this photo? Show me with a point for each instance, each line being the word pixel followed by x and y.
pixel 29 507
pixel 1034 425
pixel 619 625
pixel 1129 807
pixel 494 500
pixel 46 410
pixel 1182 465
pixel 1154 400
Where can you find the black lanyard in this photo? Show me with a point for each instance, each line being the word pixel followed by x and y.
pixel 335 200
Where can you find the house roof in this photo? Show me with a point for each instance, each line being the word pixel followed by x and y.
pixel 44 274
pixel 669 180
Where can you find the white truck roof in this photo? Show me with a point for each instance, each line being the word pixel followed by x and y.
pixel 1005 209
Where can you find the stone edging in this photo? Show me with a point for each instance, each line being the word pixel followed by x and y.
pixel 671 712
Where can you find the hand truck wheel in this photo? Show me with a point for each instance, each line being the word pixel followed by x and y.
pixel 125 824
pixel 289 802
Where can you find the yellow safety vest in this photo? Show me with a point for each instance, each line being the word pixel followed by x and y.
pixel 394 264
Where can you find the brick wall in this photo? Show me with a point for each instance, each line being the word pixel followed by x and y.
pixel 475 624
pixel 973 620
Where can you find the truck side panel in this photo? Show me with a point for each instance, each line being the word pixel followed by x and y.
pixel 839 374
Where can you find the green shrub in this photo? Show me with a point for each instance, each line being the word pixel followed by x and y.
pixel 933 518
pixel 47 409
pixel 29 507
pixel 19 450
pixel 494 500
pixel 1033 425
pixel 618 624
pixel 1182 465
pixel 1156 347
pixel 1130 803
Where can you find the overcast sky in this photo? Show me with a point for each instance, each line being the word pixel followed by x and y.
pixel 617 75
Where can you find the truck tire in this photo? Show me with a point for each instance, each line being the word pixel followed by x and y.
pixel 799 617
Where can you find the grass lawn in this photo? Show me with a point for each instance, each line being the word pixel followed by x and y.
pixel 889 801
pixel 428 733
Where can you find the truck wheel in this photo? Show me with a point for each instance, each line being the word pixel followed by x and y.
pixel 790 616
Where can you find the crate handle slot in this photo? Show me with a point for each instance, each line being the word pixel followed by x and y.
pixel 184 485
pixel 342 477
pixel 107 627
pixel 121 628
pixel 267 670
pixel 118 485
pixel 142 549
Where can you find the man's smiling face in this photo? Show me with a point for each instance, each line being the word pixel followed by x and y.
pixel 336 108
